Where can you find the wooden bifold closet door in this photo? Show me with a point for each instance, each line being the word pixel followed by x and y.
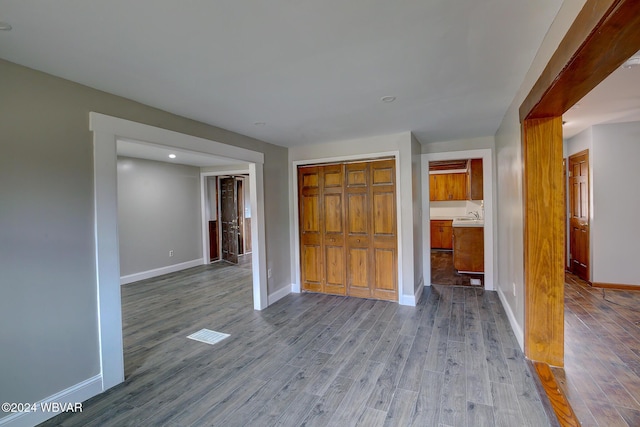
pixel 348 242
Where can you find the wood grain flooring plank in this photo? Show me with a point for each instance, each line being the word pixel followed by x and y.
pixel 453 401
pixel 411 376
pixel 400 412
pixel 427 409
pixel 371 418
pixel 327 405
pixel 353 367
pixel 457 322
pixel 477 372
pixel 353 404
pixel 437 352
pixel 387 382
pixel 506 409
pixel 479 415
pixel 297 410
pixel 242 415
pixel 496 363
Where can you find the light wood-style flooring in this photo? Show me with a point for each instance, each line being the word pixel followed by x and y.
pixel 312 360
pixel 601 377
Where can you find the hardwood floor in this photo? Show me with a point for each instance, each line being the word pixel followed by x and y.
pixel 312 360
pixel 443 272
pixel 601 377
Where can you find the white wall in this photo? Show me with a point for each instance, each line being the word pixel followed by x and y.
pixel 158 212
pixel 459 145
pixel 616 204
pixel 510 225
pixel 416 194
pixel 399 144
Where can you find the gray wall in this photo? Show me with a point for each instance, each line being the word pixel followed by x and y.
pixel 158 211
pixel 613 174
pixel 47 260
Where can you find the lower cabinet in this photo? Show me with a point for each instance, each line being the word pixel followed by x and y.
pixel 468 249
pixel 441 234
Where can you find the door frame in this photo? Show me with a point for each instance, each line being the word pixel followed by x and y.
pixel 577 66
pixel 106 131
pixel 296 286
pixel 486 154
pixel 589 204
pixel 205 199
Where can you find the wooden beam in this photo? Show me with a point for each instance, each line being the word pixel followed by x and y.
pixel 543 240
pixel 604 35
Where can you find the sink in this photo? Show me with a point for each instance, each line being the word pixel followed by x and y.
pixel 467 222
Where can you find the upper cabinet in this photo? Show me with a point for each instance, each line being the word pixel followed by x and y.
pixel 455 180
pixel 448 186
pixel 475 179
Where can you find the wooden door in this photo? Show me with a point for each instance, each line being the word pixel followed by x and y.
pixel 383 230
pixel 358 228
pixel 213 241
pixel 332 228
pixel 311 265
pixel 321 210
pixel 579 214
pixel 348 241
pixel 229 219
pixel 240 212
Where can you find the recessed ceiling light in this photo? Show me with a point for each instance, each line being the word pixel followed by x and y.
pixel 388 98
pixel 632 62
pixel 259 123
pixel 172 156
pixel 5 26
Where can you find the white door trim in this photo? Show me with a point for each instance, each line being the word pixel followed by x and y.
pixel 486 154
pixel 106 130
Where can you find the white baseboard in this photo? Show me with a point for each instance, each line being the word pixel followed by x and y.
pixel 279 294
pixel 74 394
pixel 159 271
pixel 412 300
pixel 517 330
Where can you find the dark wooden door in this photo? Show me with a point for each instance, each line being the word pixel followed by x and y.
pixel 240 197
pixel 579 214
pixel 229 219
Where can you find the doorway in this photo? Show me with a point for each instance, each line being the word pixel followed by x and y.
pixel 579 190
pixel 456 206
pixel 106 130
pixel 441 260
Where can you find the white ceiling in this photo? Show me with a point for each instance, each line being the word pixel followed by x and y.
pixel 312 71
pixel 143 150
pixel 614 100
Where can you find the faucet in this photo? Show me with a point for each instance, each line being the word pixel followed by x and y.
pixel 475 214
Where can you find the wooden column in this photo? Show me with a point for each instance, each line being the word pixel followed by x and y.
pixel 543 239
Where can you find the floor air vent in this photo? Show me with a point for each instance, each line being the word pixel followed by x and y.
pixel 208 336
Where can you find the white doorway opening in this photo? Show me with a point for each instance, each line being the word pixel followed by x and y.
pixel 106 131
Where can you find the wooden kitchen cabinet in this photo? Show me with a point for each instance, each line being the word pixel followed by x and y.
pixel 441 234
pixel 468 249
pixel 475 180
pixel 448 186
